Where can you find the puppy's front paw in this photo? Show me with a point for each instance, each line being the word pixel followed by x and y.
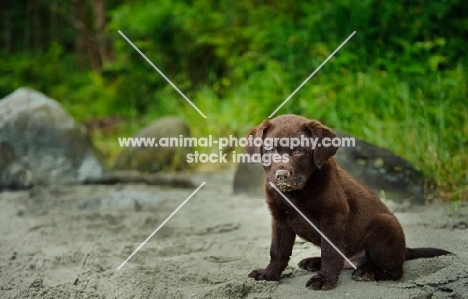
pixel 321 282
pixel 264 274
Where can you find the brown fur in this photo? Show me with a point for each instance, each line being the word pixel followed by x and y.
pixel 348 213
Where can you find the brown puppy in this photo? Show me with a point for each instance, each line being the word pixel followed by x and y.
pixel 349 214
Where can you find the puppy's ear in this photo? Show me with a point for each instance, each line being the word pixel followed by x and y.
pixel 256 132
pixel 321 153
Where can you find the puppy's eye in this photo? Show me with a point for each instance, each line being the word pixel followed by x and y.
pixel 298 151
pixel 270 150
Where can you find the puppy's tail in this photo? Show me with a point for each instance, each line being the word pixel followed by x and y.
pixel 415 253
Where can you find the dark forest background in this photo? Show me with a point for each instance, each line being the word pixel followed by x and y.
pixel 400 82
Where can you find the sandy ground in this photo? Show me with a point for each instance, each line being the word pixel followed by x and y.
pixel 67 242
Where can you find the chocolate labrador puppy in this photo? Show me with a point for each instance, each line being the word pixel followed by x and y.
pixel 349 214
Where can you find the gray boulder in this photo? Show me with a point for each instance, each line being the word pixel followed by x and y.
pixel 156 158
pixel 249 179
pixel 388 175
pixel 41 144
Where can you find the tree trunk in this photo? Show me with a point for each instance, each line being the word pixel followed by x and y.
pixel 86 45
pixel 36 25
pixel 99 8
pixel 6 9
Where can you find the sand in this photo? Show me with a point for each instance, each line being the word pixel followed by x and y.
pixel 68 241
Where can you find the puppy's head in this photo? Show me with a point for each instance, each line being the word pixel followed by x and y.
pixel 292 149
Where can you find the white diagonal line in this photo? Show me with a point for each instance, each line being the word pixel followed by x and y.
pixel 161 73
pixel 311 75
pixel 310 222
pixel 162 224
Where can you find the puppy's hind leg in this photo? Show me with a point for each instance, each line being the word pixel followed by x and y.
pixel 385 250
pixel 311 264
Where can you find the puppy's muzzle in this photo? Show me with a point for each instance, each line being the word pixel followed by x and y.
pixel 285 181
pixel 282 175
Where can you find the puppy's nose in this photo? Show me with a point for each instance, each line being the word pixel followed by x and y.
pixel 282 174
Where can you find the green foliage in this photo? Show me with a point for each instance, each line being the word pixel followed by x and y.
pixel 55 74
pixel 400 82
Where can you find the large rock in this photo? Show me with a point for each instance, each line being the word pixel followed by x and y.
pixel 388 175
pixel 249 179
pixel 152 158
pixel 41 144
